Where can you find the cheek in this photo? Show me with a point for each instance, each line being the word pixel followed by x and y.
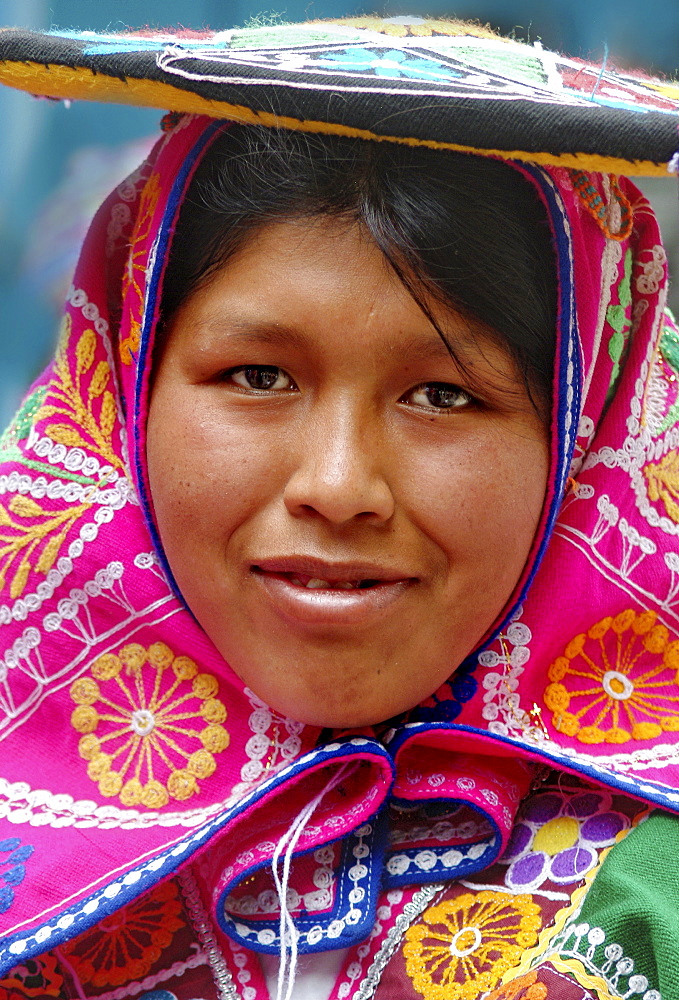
pixel 206 476
pixel 480 498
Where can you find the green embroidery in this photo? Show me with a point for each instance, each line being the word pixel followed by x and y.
pixel 618 319
pixel 517 65
pixel 14 455
pixel 669 347
pixel 670 419
pixel 282 35
pixel 20 426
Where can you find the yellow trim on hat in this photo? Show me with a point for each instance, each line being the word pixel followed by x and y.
pixel 81 83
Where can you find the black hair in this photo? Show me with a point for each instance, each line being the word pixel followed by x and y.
pixel 467 231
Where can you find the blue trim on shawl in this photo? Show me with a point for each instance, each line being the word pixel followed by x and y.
pixel 159 257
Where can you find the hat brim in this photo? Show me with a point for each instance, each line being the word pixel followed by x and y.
pixel 483 95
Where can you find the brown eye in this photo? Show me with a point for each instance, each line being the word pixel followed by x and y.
pixel 262 378
pixel 439 396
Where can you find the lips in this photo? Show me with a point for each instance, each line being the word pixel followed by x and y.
pixel 313 592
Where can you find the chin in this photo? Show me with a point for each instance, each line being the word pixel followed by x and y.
pixel 346 716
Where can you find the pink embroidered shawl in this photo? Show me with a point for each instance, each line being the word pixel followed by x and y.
pixel 128 746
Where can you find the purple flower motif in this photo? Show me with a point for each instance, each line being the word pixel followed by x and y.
pixel 558 837
pixel 12 869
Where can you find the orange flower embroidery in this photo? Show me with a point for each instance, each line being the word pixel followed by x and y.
pixel 138 713
pixel 135 270
pixel 126 945
pixel 616 682
pixel 465 945
pixel 36 977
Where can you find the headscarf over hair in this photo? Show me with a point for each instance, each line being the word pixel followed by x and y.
pixel 128 746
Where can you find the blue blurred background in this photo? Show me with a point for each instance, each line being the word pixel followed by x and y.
pixel 82 151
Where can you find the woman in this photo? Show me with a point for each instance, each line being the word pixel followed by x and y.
pixel 320 542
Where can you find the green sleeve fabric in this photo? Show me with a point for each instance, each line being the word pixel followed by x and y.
pixel 627 929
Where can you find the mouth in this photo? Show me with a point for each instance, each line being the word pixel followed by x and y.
pixel 316 583
pixel 312 592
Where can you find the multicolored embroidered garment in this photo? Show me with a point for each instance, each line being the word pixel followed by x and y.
pixel 131 753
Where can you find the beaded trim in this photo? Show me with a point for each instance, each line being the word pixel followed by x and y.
pixel 226 988
pixel 411 910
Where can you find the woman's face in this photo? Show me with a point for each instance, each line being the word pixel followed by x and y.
pixel 345 511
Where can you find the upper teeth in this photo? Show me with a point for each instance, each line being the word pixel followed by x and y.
pixel 315 584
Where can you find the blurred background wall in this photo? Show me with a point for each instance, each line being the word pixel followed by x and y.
pixel 60 161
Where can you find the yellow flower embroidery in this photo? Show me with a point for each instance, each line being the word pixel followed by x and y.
pixel 32 535
pixel 138 713
pixel 25 528
pixel 135 270
pixel 421 27
pixel 616 682
pixel 465 945
pixel 81 392
pixel 663 483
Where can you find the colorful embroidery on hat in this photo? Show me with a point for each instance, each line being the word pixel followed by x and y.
pixel 13 854
pixel 390 63
pixel 126 945
pixel 616 682
pixel 419 27
pixel 138 710
pixel 465 944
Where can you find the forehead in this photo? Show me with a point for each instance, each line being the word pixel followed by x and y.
pixel 307 282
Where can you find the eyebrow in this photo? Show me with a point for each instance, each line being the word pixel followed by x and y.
pixel 428 348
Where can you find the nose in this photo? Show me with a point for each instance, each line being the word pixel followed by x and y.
pixel 340 473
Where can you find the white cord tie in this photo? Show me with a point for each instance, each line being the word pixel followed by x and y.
pixel 289 935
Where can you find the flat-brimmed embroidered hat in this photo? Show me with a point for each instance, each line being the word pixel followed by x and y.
pixel 414 80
